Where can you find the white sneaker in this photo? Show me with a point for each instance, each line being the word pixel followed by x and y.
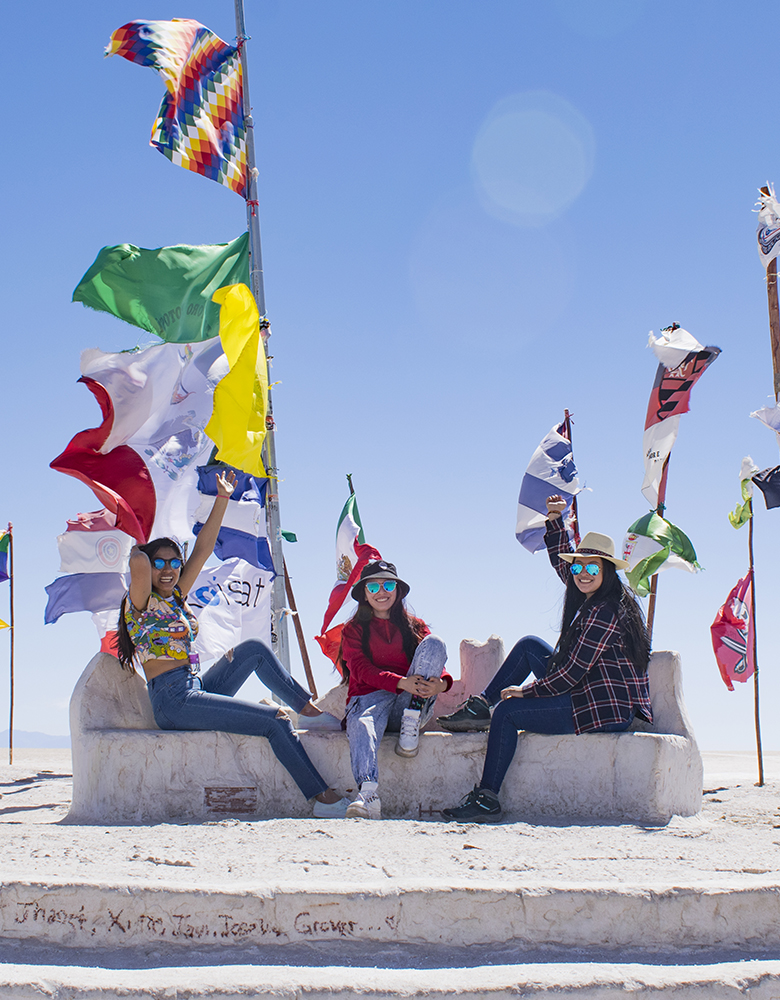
pixel 367 804
pixel 330 810
pixel 409 737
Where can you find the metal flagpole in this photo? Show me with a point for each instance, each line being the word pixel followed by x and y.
pixel 11 639
pixel 755 651
pixel 278 619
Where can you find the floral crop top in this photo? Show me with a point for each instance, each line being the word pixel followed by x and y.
pixel 164 630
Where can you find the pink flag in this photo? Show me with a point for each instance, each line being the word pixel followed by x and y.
pixel 732 634
pixel 95 520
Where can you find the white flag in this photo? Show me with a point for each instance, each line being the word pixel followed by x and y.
pixel 768 226
pixel 232 602
pixel 162 398
pixel 94 551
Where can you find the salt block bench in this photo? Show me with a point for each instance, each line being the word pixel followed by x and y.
pixel 126 770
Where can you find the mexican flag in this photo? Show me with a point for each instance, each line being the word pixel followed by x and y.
pixel 652 544
pixel 352 554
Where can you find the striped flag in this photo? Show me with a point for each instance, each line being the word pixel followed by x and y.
pixel 94 558
pixel 243 531
pixel 551 470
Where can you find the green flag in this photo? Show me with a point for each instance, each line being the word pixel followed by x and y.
pixel 166 291
pixel 651 544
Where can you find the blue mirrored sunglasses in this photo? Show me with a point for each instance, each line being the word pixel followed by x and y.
pixel 592 569
pixel 160 563
pixel 388 585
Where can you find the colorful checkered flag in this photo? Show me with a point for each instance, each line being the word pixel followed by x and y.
pixel 200 124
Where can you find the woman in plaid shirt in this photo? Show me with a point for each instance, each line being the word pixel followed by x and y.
pixel 594 681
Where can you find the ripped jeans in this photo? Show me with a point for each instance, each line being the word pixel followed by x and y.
pixel 183 700
pixel 369 715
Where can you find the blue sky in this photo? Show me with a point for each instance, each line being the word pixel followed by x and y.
pixel 472 214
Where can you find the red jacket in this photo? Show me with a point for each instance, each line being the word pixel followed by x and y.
pixel 387 651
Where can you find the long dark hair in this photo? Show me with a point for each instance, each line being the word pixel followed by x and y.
pixel 125 645
pixel 629 614
pixel 412 630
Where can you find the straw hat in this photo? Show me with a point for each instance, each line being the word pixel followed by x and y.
pixel 594 544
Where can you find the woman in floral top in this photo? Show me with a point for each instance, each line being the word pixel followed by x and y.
pixel 158 630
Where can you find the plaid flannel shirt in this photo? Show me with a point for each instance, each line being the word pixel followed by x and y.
pixel 598 673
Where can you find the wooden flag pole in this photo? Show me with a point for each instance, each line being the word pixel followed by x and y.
pixel 774 317
pixel 575 515
pixel 299 631
pixel 279 638
pixel 11 639
pixel 660 508
pixel 759 751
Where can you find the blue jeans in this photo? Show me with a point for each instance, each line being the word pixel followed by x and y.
pixel 183 700
pixel 553 715
pixel 370 715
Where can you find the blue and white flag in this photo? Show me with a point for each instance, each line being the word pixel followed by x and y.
pixel 243 533
pixel 551 470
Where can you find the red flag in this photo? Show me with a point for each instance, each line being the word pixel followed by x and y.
pixel 671 393
pixel 330 641
pixel 732 634
pixel 330 644
pixel 110 643
pixel 119 479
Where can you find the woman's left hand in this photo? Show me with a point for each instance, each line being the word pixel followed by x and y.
pixel 512 692
pixel 428 687
pixel 226 483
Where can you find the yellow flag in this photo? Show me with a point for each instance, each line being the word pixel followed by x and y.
pixel 237 424
pixel 4 624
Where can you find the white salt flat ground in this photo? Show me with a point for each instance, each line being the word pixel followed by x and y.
pixel 734 844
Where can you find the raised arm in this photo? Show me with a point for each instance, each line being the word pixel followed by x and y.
pixel 207 539
pixel 140 578
pixel 555 538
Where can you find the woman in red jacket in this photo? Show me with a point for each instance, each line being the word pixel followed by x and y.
pixel 395 669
